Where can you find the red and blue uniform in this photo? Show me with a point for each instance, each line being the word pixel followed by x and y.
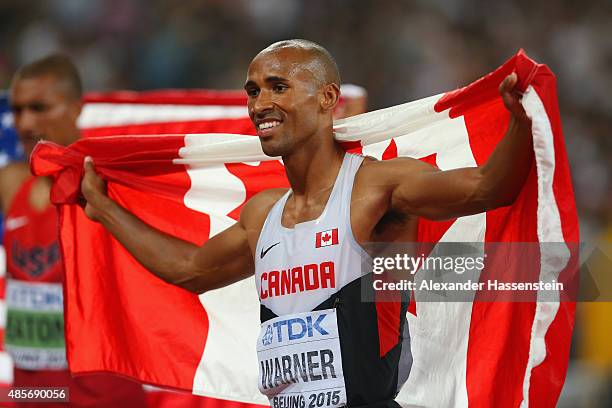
pixel 35 322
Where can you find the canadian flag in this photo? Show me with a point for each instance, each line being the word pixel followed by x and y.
pixel 120 318
pixel 327 238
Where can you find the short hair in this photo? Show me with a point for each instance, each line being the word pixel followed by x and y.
pixel 58 65
pixel 330 67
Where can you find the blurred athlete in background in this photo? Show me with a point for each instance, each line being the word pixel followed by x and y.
pixel 45 98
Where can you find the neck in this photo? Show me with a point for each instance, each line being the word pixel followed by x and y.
pixel 313 167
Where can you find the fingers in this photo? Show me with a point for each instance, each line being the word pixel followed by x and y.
pixel 93 191
pixel 512 97
pixel 90 172
pixel 90 176
pixel 92 183
pixel 88 164
pixel 508 83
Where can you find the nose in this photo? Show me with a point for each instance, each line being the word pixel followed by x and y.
pixel 261 104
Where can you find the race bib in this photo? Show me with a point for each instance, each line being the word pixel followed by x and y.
pixel 300 364
pixel 35 325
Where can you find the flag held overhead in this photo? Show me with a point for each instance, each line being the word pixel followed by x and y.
pixel 163 335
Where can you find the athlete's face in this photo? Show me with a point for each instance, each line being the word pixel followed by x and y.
pixel 42 109
pixel 284 100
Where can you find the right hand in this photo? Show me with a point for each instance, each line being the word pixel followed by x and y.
pixel 512 99
pixel 93 189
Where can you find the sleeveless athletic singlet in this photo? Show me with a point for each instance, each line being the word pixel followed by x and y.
pixel 319 344
pixel 31 240
pixel 35 320
pixel 35 312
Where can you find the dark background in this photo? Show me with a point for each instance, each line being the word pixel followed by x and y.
pixel 398 50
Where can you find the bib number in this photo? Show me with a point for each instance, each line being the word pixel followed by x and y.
pixel 300 364
pixel 35 325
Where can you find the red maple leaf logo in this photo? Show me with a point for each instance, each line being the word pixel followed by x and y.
pixel 326 237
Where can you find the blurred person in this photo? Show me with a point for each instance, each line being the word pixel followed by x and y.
pixel 345 201
pixel 45 98
pixel 354 103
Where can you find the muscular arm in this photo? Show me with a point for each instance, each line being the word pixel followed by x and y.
pixel 420 189
pixel 224 259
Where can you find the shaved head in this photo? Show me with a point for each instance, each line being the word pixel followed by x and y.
pixel 292 87
pixel 320 62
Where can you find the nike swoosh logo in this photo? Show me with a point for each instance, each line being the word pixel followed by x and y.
pixel 263 253
pixel 12 223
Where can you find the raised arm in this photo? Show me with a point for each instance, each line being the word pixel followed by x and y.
pixel 224 259
pixel 420 189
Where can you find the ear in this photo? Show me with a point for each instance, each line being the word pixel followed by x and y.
pixel 330 95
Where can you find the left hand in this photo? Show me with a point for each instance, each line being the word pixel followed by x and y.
pixel 512 98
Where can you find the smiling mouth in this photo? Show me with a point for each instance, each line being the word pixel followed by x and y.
pixel 265 128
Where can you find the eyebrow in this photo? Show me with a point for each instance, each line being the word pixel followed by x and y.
pixel 270 79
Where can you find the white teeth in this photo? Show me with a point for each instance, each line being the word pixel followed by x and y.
pixel 268 125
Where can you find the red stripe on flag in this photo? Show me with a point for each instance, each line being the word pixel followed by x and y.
pixel 547 379
pixel 490 361
pixel 240 126
pixel 173 355
pixel 170 96
pixel 147 313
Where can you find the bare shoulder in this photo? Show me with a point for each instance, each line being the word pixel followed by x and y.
pixel 390 172
pixel 11 171
pixel 255 211
pixel 12 177
pixel 376 177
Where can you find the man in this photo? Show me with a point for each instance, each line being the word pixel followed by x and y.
pixel 45 98
pixel 344 201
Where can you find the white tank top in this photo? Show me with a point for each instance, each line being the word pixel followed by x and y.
pixel 298 268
